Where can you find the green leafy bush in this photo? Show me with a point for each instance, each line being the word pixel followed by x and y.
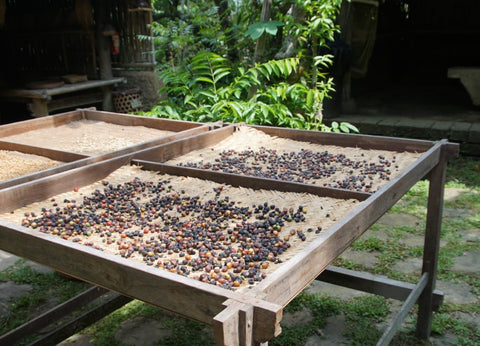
pixel 208 89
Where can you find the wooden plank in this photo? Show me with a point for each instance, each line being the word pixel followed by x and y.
pixel 404 310
pixel 93 315
pixel 39 123
pixel 253 182
pixel 64 89
pixel 432 245
pixel 76 100
pixel 243 324
pixel 17 196
pixel 293 276
pixel 226 325
pixel 135 120
pixel 370 283
pixel 173 149
pixel 350 140
pixel 182 295
pixel 51 315
pixel 53 154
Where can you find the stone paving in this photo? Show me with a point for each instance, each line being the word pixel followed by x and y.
pixel 142 331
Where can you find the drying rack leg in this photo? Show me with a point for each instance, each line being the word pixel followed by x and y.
pixel 432 245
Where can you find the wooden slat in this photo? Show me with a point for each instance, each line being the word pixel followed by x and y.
pixel 76 100
pixel 64 89
pixel 184 296
pixel 350 140
pixel 252 182
pixel 17 196
pixel 82 321
pixel 370 283
pixel 288 280
pixel 53 154
pixel 54 314
pixel 403 312
pixel 135 120
pixel 39 123
pixel 173 149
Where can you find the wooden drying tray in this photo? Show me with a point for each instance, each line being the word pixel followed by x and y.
pixel 251 316
pixel 181 130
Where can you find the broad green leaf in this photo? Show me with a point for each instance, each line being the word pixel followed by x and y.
pixel 309 101
pixel 204 79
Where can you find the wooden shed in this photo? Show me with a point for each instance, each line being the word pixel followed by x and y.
pixel 419 50
pixel 60 54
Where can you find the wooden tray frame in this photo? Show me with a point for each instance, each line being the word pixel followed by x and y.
pixel 253 316
pixel 182 129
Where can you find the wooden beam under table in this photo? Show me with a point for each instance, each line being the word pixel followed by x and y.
pixel 366 282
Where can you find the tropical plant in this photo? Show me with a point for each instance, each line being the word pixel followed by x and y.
pixel 208 89
pixel 212 71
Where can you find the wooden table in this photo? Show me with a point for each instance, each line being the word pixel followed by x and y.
pixel 42 101
pixel 249 317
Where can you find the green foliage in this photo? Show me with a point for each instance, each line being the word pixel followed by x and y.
pixel 256 30
pixel 202 84
pixel 208 89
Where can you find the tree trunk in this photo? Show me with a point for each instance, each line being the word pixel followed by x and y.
pixel 262 41
pixel 290 43
pixel 227 26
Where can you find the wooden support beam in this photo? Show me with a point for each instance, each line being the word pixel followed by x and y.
pixel 370 283
pixel 61 310
pixel 403 312
pixel 432 243
pixel 241 324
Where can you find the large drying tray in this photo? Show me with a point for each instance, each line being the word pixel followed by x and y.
pixel 80 137
pixel 243 316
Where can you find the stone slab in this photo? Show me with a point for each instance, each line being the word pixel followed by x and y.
pixel 460 131
pixel 409 266
pixel 468 263
pixel 453 193
pixel 319 287
pixel 470 235
pixel 368 259
pixel 457 293
pixel 399 219
pixel 297 318
pixel 474 136
pixel 332 334
pixel 142 331
pixel 8 291
pixel 7 260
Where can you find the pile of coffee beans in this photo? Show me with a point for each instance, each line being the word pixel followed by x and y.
pixel 304 166
pixel 215 241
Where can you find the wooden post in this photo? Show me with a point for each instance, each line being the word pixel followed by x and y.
pixel 432 244
pixel 103 50
pixel 242 324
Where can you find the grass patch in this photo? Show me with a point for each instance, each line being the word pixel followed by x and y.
pixel 43 288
